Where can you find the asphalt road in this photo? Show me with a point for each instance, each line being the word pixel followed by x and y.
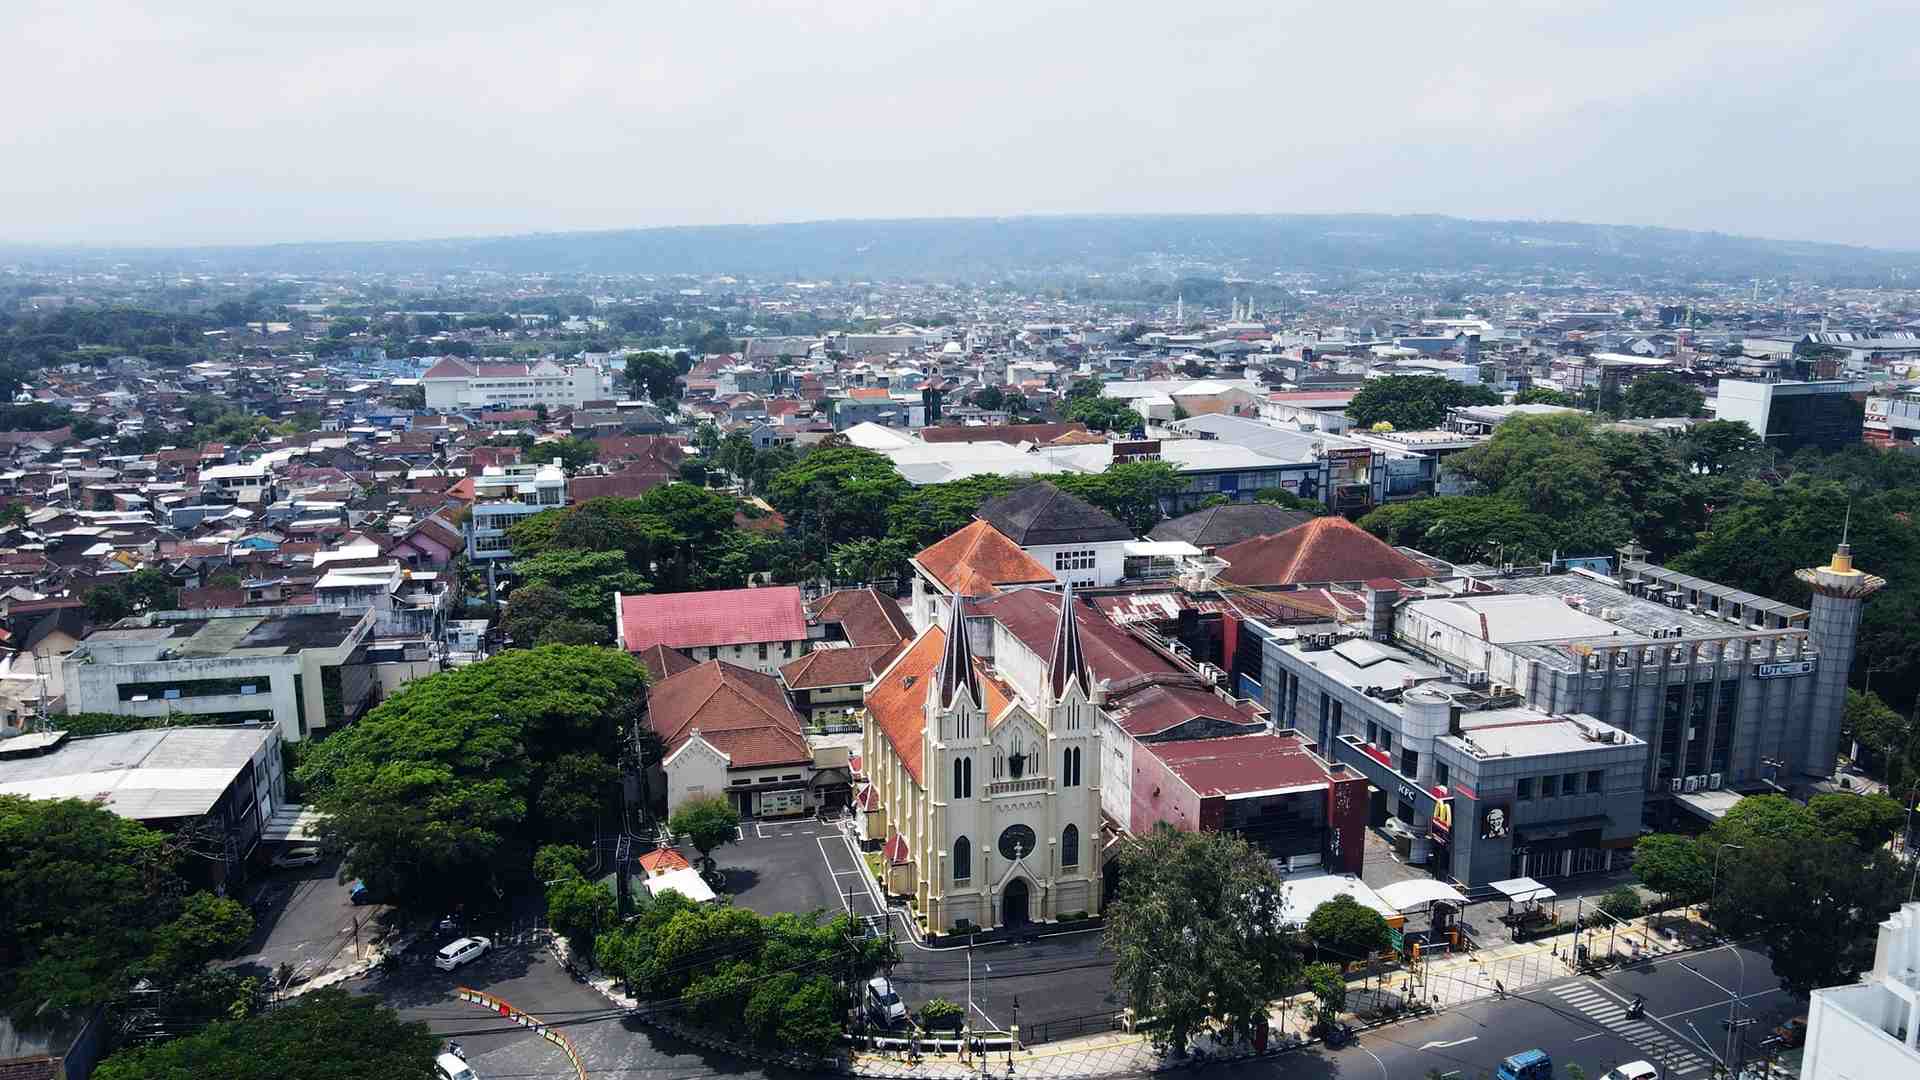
pixel 1576 1020
pixel 1057 978
pixel 310 922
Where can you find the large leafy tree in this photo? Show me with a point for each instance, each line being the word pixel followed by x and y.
pixel 1867 821
pixel 1345 930
pixel 1103 414
pixel 835 494
pixel 656 373
pixel 1196 933
pixel 325 1035
pixel 1672 866
pixel 1130 491
pixel 707 824
pixel 91 901
pixel 1414 402
pixel 1815 902
pixel 444 785
pixel 1467 528
pixel 1662 393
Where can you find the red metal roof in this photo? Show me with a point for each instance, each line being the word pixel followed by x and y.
pixel 1240 764
pixel 721 617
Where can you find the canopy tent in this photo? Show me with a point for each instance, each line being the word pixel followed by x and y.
pixel 1522 890
pixel 1416 894
pixel 687 882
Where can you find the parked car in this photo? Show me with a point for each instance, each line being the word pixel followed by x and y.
pixel 1633 1070
pixel 358 893
pixel 884 1007
pixel 460 951
pixel 304 855
pixel 1792 1033
pixel 454 1067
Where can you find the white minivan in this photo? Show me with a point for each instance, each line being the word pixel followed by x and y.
pixel 884 1007
pixel 454 1067
pixel 459 951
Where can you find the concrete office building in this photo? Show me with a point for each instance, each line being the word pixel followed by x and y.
pixel 503 496
pixel 302 668
pixel 1566 701
pixel 1824 413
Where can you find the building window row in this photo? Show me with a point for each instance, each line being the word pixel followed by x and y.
pixel 1074 560
pixel 1557 785
pixel 1070 767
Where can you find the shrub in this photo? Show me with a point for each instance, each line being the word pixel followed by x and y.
pixel 939 1013
pixel 1622 903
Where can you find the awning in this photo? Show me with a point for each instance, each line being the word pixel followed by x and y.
pixel 687 883
pixel 293 823
pixel 1708 806
pixel 1416 894
pixel 1522 889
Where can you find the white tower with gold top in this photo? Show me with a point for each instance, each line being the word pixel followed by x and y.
pixel 1839 592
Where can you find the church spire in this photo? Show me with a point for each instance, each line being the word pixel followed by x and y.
pixel 956 662
pixel 1067 662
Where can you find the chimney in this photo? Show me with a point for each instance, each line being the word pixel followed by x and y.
pixel 1380 603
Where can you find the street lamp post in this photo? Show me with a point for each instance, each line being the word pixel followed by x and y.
pixel 1713 886
pixel 1734 996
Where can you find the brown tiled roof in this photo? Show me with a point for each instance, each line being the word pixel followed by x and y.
pixel 661 661
pixel 1325 549
pixel 743 713
pixel 897 700
pixel 865 616
pixel 623 485
pixel 977 559
pixel 854 666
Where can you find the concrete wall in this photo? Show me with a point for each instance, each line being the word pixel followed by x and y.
pixel 748 655
pixel 696 770
pixel 1160 795
pixel 1108 566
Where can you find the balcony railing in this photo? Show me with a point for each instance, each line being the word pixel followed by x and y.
pixel 1015 787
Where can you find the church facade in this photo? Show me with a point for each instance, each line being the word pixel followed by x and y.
pixel 986 776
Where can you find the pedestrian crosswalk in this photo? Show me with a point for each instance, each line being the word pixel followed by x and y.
pixel 1672 1055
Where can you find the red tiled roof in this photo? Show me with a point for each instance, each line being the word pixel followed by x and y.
pixel 895 851
pixel 1325 549
pixel 868 393
pixel 837 667
pixel 449 368
pixel 1239 764
pixel 720 617
pixel 662 662
pixel 621 485
pixel 743 713
pixel 865 616
pixel 977 559
pixel 661 860
pixel 897 699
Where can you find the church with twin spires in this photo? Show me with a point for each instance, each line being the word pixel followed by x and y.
pixel 986 776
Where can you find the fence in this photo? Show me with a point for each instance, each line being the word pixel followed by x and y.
pixel 1071 1027
pixel 535 1024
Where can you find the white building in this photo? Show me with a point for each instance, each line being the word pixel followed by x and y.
pixel 506 495
pixel 247 485
pixel 454 384
pixel 1871 1029
pixel 302 668
pixel 1078 541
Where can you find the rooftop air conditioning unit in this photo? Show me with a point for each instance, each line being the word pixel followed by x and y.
pixel 1693 783
pixel 1677 631
pixel 1673 784
pixel 1477 677
pixel 1713 782
pixel 1611 614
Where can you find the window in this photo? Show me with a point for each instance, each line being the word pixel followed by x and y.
pixel 1386 740
pixel 1524 789
pixel 1070 767
pixel 1549 786
pixel 963 778
pixel 743 781
pixel 1074 560
pixel 962 860
pixel 1373 732
pixel 763 650
pixel 1570 784
pixel 766 779
pixel 786 649
pixel 1017 841
pixel 1409 763
pixel 1596 781
pixel 791 776
pixel 1070 846
pixel 1440 772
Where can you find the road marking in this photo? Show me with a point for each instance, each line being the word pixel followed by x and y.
pixel 1439 1045
pixel 991 1026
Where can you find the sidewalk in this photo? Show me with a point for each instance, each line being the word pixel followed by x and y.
pixel 1445 981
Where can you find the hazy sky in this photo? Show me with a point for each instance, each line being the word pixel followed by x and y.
pixel 183 122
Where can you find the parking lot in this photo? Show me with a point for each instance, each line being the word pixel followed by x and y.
pixel 794 865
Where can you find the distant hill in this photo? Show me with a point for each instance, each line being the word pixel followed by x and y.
pixel 972 248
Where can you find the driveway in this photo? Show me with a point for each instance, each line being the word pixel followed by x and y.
pixel 783 866
pixel 309 923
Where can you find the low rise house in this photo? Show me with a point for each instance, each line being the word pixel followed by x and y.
pixel 760 629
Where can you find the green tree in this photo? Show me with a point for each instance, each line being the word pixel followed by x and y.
pixel 929 513
pixel 555 861
pixel 1414 402
pixel 579 910
pixel 990 398
pixel 586 579
pixel 1287 500
pixel 835 494
pixel 207 928
pixel 437 790
pixel 1717 446
pixel 1816 902
pixel 572 453
pixel 707 823
pixel 1329 989
pixel 1541 395
pixel 1662 393
pixel 1103 414
pixel 1195 932
pixel 1346 930
pixel 1621 902
pixel 324 1035
pixel 1466 528
pixel 1865 821
pixel 1131 491
pixel 1672 866
pixel 655 373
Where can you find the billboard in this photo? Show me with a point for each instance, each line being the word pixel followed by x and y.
pixel 1496 821
pixel 1442 828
